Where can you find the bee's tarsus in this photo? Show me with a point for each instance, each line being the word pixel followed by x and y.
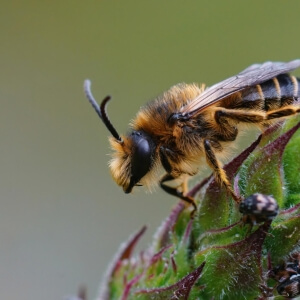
pixel 177 193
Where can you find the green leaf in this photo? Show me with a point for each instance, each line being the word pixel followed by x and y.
pixel 233 271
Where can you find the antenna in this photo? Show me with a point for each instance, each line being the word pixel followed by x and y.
pixel 101 110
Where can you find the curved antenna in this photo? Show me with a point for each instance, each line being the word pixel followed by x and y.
pixel 101 110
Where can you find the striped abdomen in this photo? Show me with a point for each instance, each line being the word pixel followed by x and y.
pixel 274 93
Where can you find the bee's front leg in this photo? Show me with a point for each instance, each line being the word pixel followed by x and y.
pixel 164 153
pixel 219 173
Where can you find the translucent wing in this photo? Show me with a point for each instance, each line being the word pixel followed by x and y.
pixel 253 75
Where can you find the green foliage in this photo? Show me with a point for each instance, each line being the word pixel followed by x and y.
pixel 216 255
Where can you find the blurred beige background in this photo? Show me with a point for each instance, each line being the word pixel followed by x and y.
pixel 62 218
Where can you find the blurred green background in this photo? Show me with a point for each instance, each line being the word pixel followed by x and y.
pixel 62 217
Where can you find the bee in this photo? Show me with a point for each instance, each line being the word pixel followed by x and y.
pixel 190 123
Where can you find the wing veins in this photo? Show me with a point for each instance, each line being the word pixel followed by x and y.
pixel 251 76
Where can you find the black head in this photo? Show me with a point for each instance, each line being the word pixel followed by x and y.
pixel 143 149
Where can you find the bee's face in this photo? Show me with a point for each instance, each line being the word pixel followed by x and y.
pixel 132 160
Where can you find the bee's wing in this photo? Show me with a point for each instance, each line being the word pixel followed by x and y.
pixel 253 75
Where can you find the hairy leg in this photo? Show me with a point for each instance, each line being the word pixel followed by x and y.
pixel 218 171
pixel 174 191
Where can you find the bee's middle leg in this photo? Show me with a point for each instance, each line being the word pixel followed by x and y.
pixel 174 191
pixel 219 172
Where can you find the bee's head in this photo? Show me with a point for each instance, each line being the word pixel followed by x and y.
pixel 133 156
pixel 133 159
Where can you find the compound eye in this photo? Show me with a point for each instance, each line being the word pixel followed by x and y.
pixel 142 158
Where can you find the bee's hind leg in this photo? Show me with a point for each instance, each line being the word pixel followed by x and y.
pixel 219 173
pixel 174 191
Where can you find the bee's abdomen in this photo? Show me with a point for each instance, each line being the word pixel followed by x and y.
pixel 274 93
